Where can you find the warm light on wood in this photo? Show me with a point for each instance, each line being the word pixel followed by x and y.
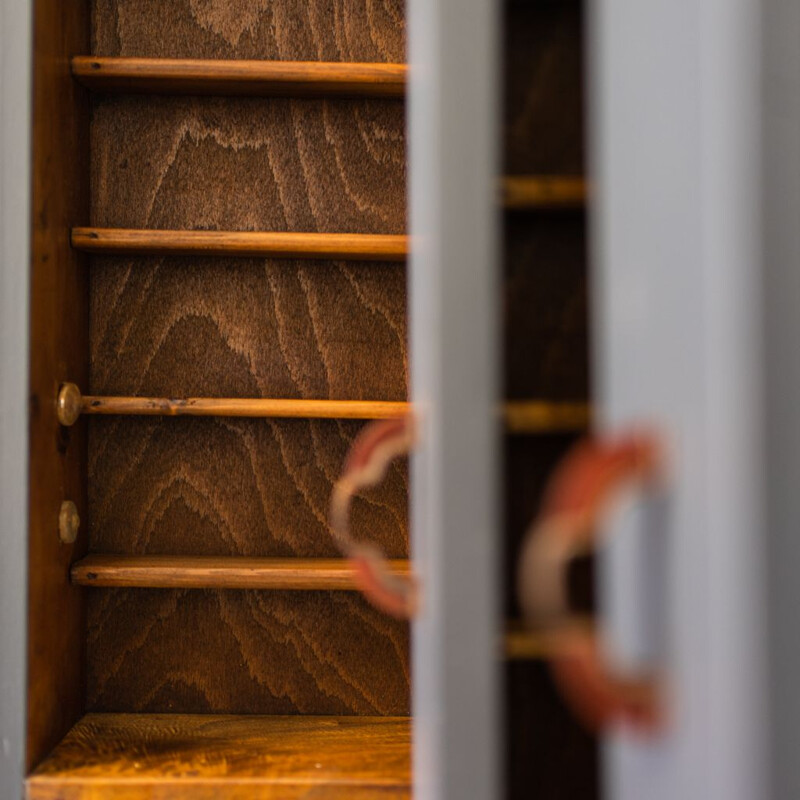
pixel 522 645
pixel 230 77
pixel 241 244
pixel 218 572
pixel 521 417
pixel 244 407
pixel 538 417
pixel 227 757
pixel 281 574
pixel 525 644
pixel 540 192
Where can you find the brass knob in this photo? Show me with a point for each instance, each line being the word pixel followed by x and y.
pixel 69 404
pixel 68 522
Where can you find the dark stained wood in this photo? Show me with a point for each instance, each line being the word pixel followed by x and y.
pixel 549 755
pixel 214 572
pixel 141 757
pixel 241 77
pixel 200 326
pixel 190 327
pixel 231 487
pixel 248 164
pixel 543 128
pixel 244 652
pixel 241 244
pixel 546 325
pixel 297 30
pixel 59 349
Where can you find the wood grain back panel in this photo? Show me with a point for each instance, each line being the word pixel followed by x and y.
pixel 273 164
pixel 186 326
pixel 182 327
pixel 243 652
pixel 231 487
pixel 290 30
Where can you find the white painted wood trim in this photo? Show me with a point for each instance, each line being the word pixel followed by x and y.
pixel 454 277
pixel 15 170
pixel 781 304
pixel 677 313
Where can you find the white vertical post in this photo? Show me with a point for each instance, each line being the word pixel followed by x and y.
pixel 16 59
pixel 676 156
pixel 454 274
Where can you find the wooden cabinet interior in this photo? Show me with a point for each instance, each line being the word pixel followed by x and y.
pixel 217 218
pixel 548 754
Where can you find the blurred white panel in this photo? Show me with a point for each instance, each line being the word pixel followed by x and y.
pixel 675 141
pixel 454 272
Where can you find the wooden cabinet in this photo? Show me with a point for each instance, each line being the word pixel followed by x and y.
pixel 218 302
pixel 209 226
pixel 234 233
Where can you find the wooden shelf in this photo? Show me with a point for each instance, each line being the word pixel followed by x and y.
pixel 524 645
pixel 181 756
pixel 241 244
pixel 538 192
pixel 520 417
pixel 535 417
pixel 220 572
pixel 243 407
pixel 283 574
pixel 256 78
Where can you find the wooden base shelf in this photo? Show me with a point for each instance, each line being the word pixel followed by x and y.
pixel 220 572
pixel 241 244
pixel 255 78
pixel 210 757
pixel 535 192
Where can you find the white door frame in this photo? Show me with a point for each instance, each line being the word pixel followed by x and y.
pixel 454 276
pixel 16 60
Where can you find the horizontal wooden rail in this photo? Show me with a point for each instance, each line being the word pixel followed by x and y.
pixel 258 78
pixel 520 417
pixel 217 572
pixel 278 574
pixel 524 644
pixel 532 416
pixel 241 244
pixel 538 192
pixel 241 407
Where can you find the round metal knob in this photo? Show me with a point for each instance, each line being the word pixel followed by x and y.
pixel 68 522
pixel 69 404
